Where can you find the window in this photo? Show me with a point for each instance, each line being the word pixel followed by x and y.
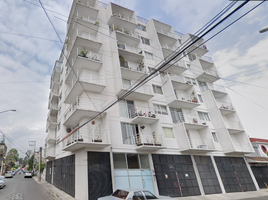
pixel 176 115
pixel 60 96
pixel 179 40
pixel 203 116
pixel 121 46
pixel 149 55
pixel 145 41
pixel 141 27
pixel 120 194
pixel 138 196
pixel 215 138
pixel 200 98
pixel 190 80
pixel 128 133
pixel 144 161
pixel 119 161
pixel 149 195
pixel 160 109
pixel 58 127
pixel 168 132
pixel 133 161
pixel 157 89
pixel 203 86
pixel 126 108
pixel 59 111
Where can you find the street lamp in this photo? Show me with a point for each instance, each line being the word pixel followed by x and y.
pixel 264 29
pixel 8 110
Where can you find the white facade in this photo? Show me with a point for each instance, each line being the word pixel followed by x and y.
pixel 180 112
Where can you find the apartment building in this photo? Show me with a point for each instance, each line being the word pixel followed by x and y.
pixel 177 135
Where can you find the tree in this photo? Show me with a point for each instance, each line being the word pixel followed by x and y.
pixel 12 157
pixel 30 163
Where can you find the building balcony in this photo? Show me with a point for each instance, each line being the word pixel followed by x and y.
pixel 143 93
pixel 53 109
pixel 180 100
pixel 51 138
pixel 86 82
pixel 194 122
pixel 83 107
pixel 218 90
pixel 241 148
pixel 126 36
pixel 124 18
pixel 130 53
pixel 84 59
pixel 53 96
pixel 56 73
pixel 198 48
pixel 234 126
pixel 149 142
pixel 142 115
pixel 166 36
pixel 225 107
pixel 49 153
pixel 206 62
pixel 208 75
pixel 86 137
pixel 200 145
pixel 178 81
pixel 133 71
pixel 52 122
pixel 175 67
pixel 55 84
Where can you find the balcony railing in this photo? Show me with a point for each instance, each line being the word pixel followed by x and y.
pixel 88 135
pixel 141 112
pixel 121 16
pixel 224 105
pixel 134 66
pixel 142 19
pixel 53 106
pixel 125 31
pixel 146 89
pixel 83 103
pixel 50 137
pixel 104 5
pixel 177 78
pixel 129 48
pixel 89 55
pixel 168 33
pixel 219 88
pixel 88 36
pixel 193 119
pixel 201 144
pixel 169 47
pixel 179 34
pixel 49 152
pixel 148 140
pixel 188 98
pixel 206 58
pixel 234 125
pixel 87 18
pixel 89 4
pixel 242 146
pixel 52 119
pixel 211 72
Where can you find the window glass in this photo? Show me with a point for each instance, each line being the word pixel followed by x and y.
pixel 144 161
pixel 157 89
pixel 149 55
pixel 128 132
pixel 203 86
pixel 160 109
pixel 145 41
pixel 141 27
pixel 215 138
pixel 149 195
pixel 132 161
pixel 120 194
pixel 58 126
pixel 168 132
pixel 177 115
pixel 163 110
pixel 138 196
pixel 119 161
pixel 203 116
pixel 200 98
pixel 121 46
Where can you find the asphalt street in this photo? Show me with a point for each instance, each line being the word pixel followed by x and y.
pixel 20 188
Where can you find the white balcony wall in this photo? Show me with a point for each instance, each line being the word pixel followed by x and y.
pixel 180 134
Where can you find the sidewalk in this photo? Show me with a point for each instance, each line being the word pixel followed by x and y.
pixel 52 191
pixel 57 194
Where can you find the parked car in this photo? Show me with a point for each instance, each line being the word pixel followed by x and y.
pixel 9 174
pixel 28 174
pixel 2 182
pixel 134 194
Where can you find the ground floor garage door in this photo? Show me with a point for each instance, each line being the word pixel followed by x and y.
pixel 64 174
pixel 99 175
pixel 49 172
pixel 261 175
pixel 175 175
pixel 234 174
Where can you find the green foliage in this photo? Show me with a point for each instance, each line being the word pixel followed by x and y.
pixel 83 52
pixel 30 163
pixel 12 157
pixel 43 166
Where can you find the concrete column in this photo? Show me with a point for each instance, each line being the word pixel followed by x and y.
pixel 252 175
pixel 52 171
pixel 198 176
pixel 81 175
pixel 112 168
pixel 218 174
pixel 153 174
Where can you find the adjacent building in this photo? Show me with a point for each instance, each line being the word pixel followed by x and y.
pixel 177 135
pixel 3 151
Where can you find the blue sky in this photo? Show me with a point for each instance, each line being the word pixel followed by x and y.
pixel 239 53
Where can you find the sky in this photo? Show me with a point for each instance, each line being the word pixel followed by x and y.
pixel 29 48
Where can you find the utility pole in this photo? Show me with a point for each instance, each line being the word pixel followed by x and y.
pixel 40 162
pixel 33 143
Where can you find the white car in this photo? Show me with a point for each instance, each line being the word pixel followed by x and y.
pixel 2 181
pixel 9 174
pixel 28 174
pixel 132 194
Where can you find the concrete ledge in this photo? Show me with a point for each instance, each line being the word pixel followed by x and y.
pixel 52 191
